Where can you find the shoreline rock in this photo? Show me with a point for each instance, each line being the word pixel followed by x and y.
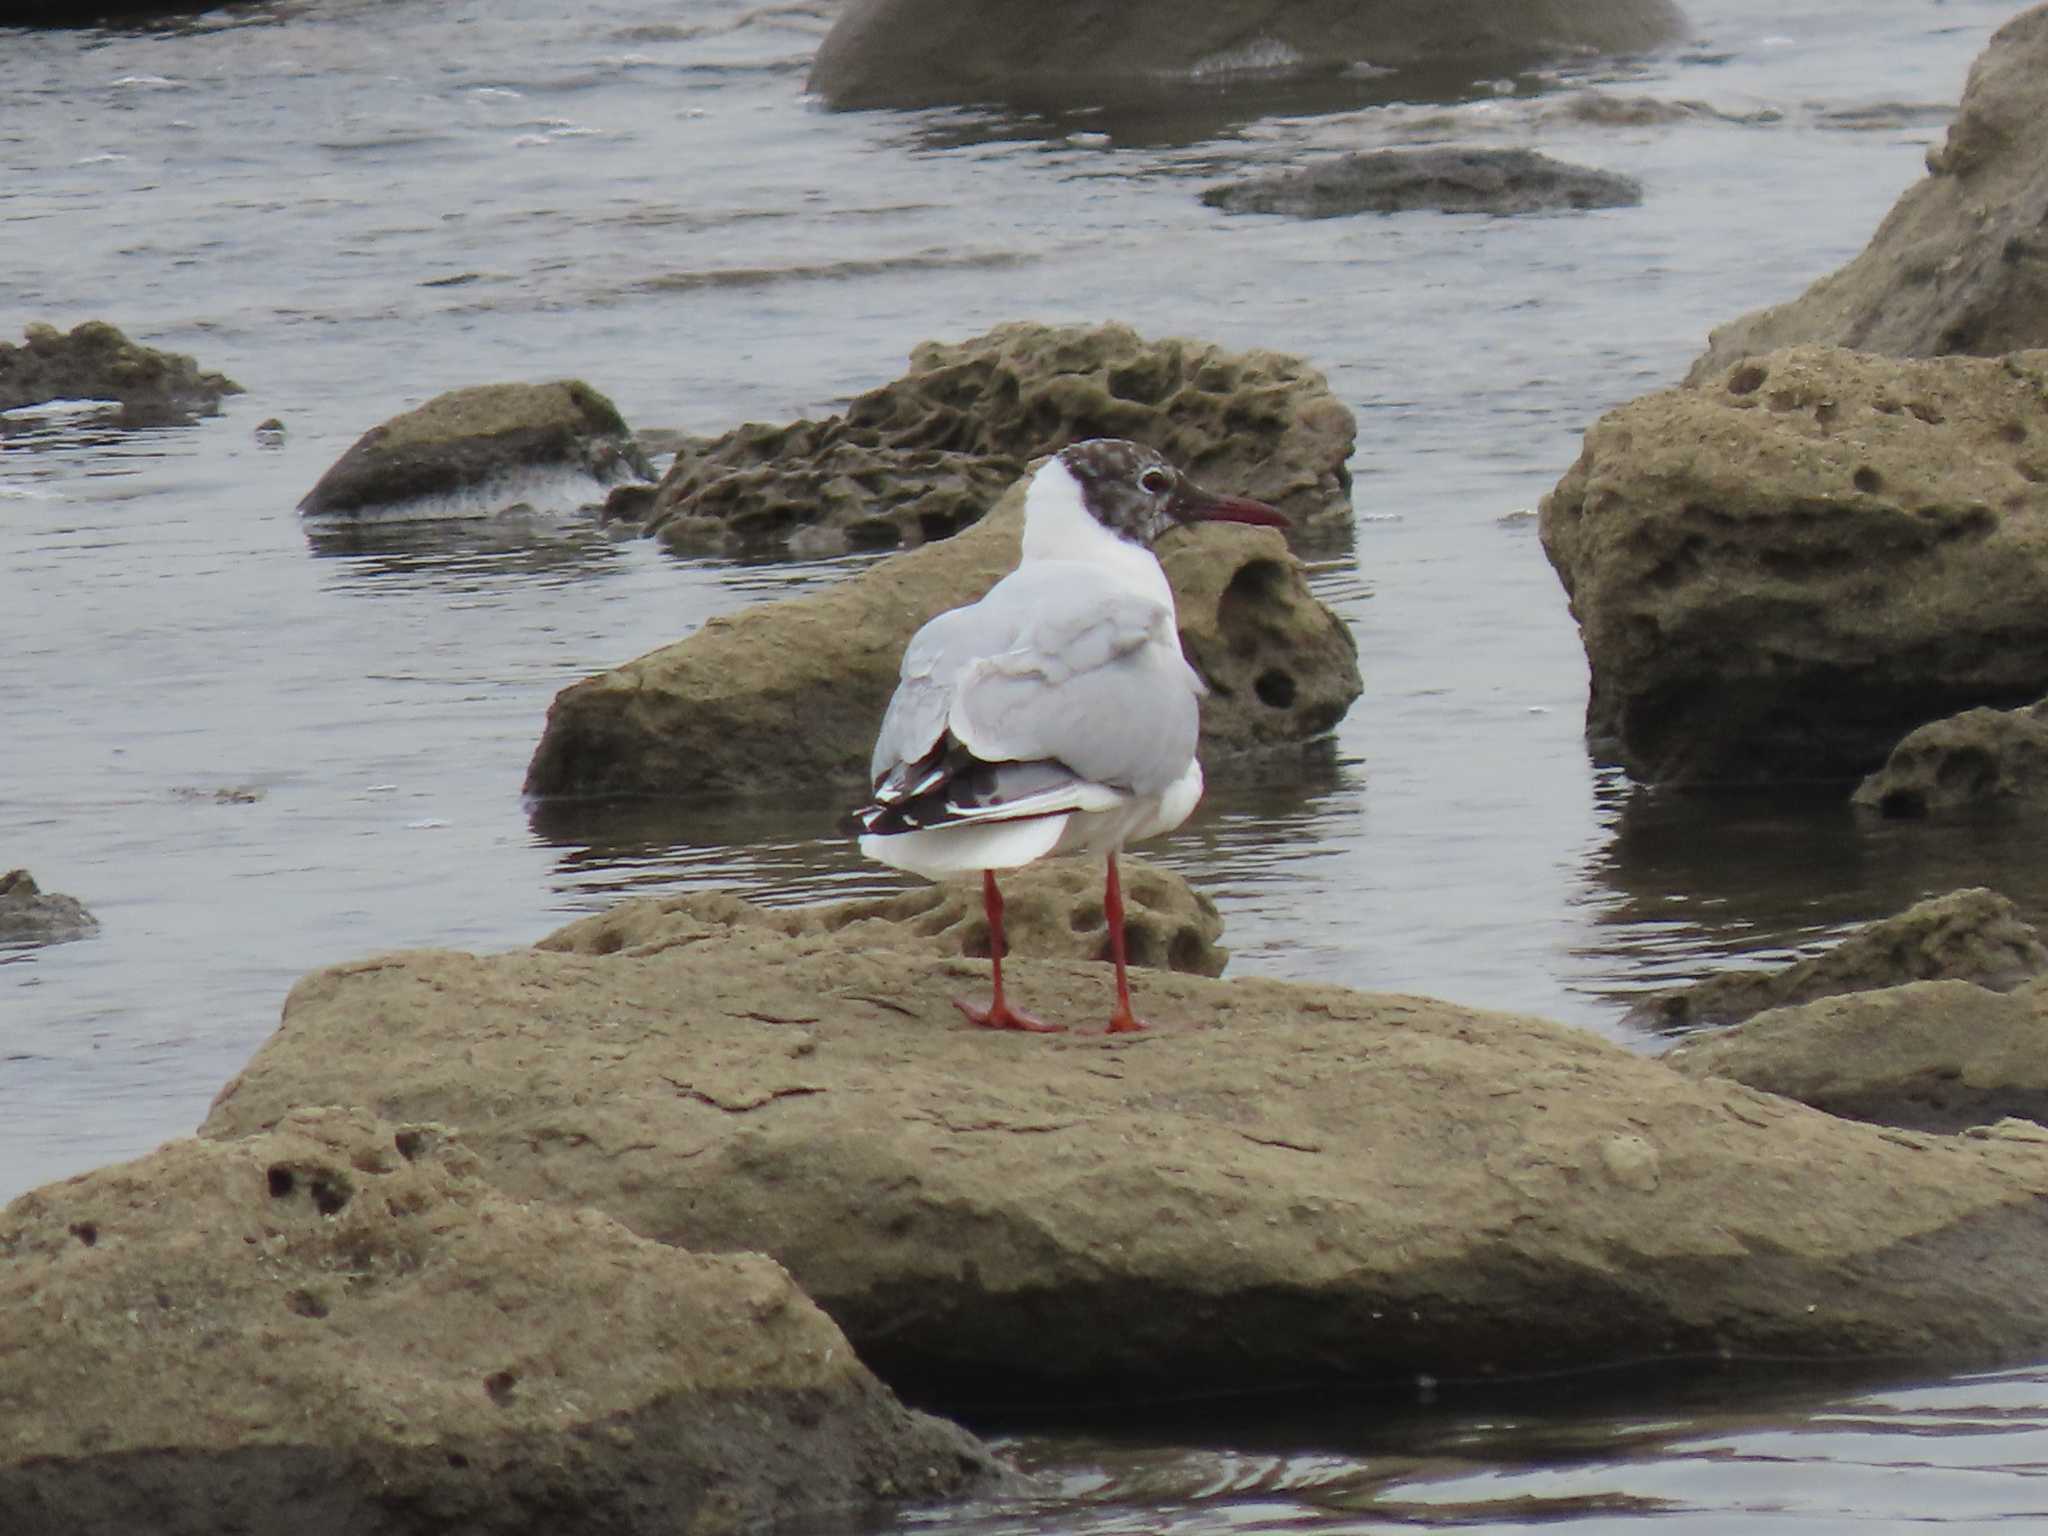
pixel 1777 578
pixel 337 1324
pixel 712 713
pixel 1979 758
pixel 1971 935
pixel 478 449
pixel 921 53
pixel 95 361
pixel 1450 180
pixel 31 915
pixel 927 455
pixel 1281 1184
pixel 1959 265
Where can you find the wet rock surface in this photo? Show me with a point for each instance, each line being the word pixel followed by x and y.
pixel 1497 181
pixel 1975 935
pixel 482 445
pixel 1051 910
pixel 1929 1055
pixel 929 454
pixel 1777 576
pixel 712 713
pixel 1277 1184
pixel 95 361
pixel 1960 264
pixel 1977 759
pixel 915 53
pixel 339 1325
pixel 32 915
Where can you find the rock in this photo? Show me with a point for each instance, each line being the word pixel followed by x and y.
pixel 31 915
pixel 927 455
pixel 96 362
pixel 920 53
pixel 338 1325
pixel 1930 1055
pixel 486 447
pixel 1499 181
pixel 1960 264
pixel 1778 577
pixel 1604 109
pixel 1051 910
pixel 1277 1183
pixel 1975 935
pixel 712 713
pixel 1977 758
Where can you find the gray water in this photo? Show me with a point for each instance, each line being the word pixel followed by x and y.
pixel 253 751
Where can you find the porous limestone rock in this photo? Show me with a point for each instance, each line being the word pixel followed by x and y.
pixel 1778 576
pixel 31 915
pixel 337 1325
pixel 712 713
pixel 1960 264
pixel 1979 758
pixel 923 457
pixel 95 361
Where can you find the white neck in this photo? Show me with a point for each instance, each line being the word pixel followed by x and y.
pixel 1058 527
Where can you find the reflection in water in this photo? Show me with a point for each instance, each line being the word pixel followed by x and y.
pixel 1750 1448
pixel 442 552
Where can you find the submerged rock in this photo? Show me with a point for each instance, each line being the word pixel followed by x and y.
pixel 1275 1184
pixel 1974 935
pixel 1981 757
pixel 917 53
pixel 1051 910
pixel 1930 1055
pixel 925 456
pixel 31 915
pixel 713 713
pixel 1498 181
pixel 95 361
pixel 482 448
pixel 1960 264
pixel 1778 577
pixel 338 1324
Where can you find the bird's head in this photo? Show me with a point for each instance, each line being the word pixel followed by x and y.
pixel 1137 494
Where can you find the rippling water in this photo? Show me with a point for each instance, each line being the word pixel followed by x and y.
pixel 254 750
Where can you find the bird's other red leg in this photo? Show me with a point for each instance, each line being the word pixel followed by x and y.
pixel 1123 1021
pixel 999 1014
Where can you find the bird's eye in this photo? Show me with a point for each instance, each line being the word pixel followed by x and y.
pixel 1155 481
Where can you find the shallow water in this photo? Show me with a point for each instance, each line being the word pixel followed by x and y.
pixel 254 749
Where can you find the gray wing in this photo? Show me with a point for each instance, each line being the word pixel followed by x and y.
pixel 1058 664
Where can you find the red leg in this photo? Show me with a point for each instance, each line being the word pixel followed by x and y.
pixel 1123 1021
pixel 999 1014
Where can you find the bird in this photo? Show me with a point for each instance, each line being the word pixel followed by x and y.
pixel 1057 714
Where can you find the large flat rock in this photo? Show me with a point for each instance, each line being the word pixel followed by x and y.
pixel 1280 1185
pixel 337 1325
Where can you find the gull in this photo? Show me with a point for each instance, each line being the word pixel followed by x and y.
pixel 1057 714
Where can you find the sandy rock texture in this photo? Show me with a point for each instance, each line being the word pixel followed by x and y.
pixel 712 712
pixel 481 449
pixel 1277 1185
pixel 927 455
pixel 1973 935
pixel 1051 910
pixel 1960 264
pixel 1778 575
pixel 1929 1055
pixel 1451 180
pixel 337 1326
pixel 1979 758
pixel 916 53
pixel 95 361
pixel 31 915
